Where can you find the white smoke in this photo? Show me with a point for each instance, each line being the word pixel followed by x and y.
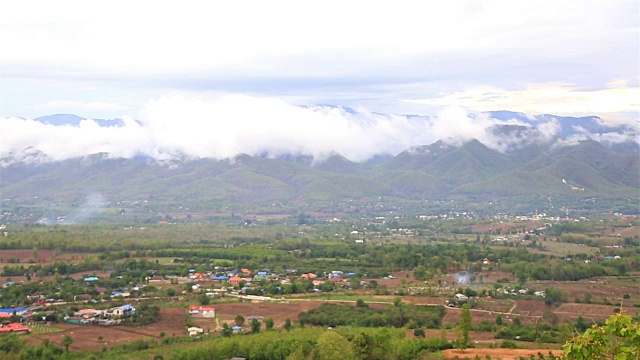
pixel 227 125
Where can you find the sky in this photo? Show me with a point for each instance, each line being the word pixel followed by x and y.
pixel 231 66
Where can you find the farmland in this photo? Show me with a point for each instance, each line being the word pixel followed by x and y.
pixel 285 270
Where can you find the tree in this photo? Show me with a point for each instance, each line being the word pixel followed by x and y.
pixel 619 338
pixel 362 346
pixel 552 296
pixel 268 323
pixel 287 324
pixel 11 343
pixel 331 346
pixel 465 325
pixel 203 299
pixel 66 342
pixel 255 326
pixel 499 320
pixel 239 320
pixel 361 303
pixel 420 272
pixel 227 330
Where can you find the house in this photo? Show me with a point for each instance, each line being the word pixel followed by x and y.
pixel 461 297
pixel 15 328
pixel 124 310
pixel 87 313
pixel 10 311
pixel 157 279
pixel 195 331
pixel 197 276
pixel 117 293
pixel 91 278
pixel 202 311
pixel 235 279
pixel 219 278
pixel 308 276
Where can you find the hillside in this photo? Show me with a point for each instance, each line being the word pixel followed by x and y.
pixel 436 171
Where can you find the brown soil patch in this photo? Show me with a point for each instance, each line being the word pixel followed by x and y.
pixel 627 231
pixel 279 312
pixel 94 337
pixel 397 282
pixel 589 312
pixel 601 289
pixel 41 256
pixel 504 354
pixel 531 307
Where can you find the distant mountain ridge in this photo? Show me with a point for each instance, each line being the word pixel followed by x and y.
pixel 529 163
pixel 433 171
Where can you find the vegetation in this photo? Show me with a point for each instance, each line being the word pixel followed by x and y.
pixel 465 326
pixel 426 253
pixel 334 315
pixel 619 338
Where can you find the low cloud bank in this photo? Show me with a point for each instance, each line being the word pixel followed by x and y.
pixel 227 125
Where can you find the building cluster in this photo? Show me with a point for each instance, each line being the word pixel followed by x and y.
pixel 110 316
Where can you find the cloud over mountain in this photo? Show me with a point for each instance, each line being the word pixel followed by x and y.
pixel 223 126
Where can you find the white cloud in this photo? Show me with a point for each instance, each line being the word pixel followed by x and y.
pixel 223 126
pixel 558 99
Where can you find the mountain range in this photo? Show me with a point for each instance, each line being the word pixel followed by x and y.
pixel 441 170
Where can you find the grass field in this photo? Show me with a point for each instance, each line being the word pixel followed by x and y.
pixel 43 329
pixel 561 248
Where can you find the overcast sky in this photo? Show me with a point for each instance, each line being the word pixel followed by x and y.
pixel 123 58
pixel 110 58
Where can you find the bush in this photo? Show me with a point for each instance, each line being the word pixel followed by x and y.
pixel 508 344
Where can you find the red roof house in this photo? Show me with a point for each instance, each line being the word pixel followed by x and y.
pixel 14 328
pixel 202 311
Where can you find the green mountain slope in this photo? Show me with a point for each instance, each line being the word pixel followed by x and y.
pixel 435 171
